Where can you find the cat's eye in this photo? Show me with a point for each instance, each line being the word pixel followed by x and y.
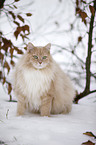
pixel 36 57
pixel 44 57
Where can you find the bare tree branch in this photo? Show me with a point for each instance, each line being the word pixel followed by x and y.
pixel 88 62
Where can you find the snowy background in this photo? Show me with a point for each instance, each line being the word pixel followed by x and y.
pixel 50 22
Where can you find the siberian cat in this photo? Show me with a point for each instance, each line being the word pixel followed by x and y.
pixel 40 85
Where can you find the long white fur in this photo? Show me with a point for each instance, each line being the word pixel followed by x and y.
pixel 37 83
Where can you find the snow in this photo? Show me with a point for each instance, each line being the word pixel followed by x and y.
pixel 32 129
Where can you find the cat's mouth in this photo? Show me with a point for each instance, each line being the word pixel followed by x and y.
pixel 40 66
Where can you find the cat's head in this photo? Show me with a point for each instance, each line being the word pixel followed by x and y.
pixel 39 56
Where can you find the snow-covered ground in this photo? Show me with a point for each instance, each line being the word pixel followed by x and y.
pixel 32 129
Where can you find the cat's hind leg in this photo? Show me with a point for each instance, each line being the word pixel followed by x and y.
pixel 67 108
pixel 21 106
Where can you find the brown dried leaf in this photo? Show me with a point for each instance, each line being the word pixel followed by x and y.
pixel 25 28
pixel 78 10
pixel 89 134
pixel 88 143
pixel 16 0
pixel 18 50
pixel 20 18
pixel 28 14
pixel 16 23
pixel 0 75
pixel 7 43
pixel 4 80
pixel 25 48
pixel 12 63
pixel 1 56
pixel 92 10
pixel 9 88
pixel 19 29
pixel 15 7
pixel 79 39
pixel 85 22
pixel 17 32
pixel 83 16
pixel 12 14
pixel 11 52
pixel 6 65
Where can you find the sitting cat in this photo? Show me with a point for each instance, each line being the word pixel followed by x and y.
pixel 40 85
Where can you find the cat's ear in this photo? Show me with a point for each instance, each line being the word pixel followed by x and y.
pixel 30 46
pixel 48 46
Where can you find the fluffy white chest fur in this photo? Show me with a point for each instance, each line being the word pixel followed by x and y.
pixel 36 84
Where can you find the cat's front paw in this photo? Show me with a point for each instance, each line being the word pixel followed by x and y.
pixel 45 114
pixel 48 115
pixel 19 113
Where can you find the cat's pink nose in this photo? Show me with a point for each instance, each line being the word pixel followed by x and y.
pixel 40 62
